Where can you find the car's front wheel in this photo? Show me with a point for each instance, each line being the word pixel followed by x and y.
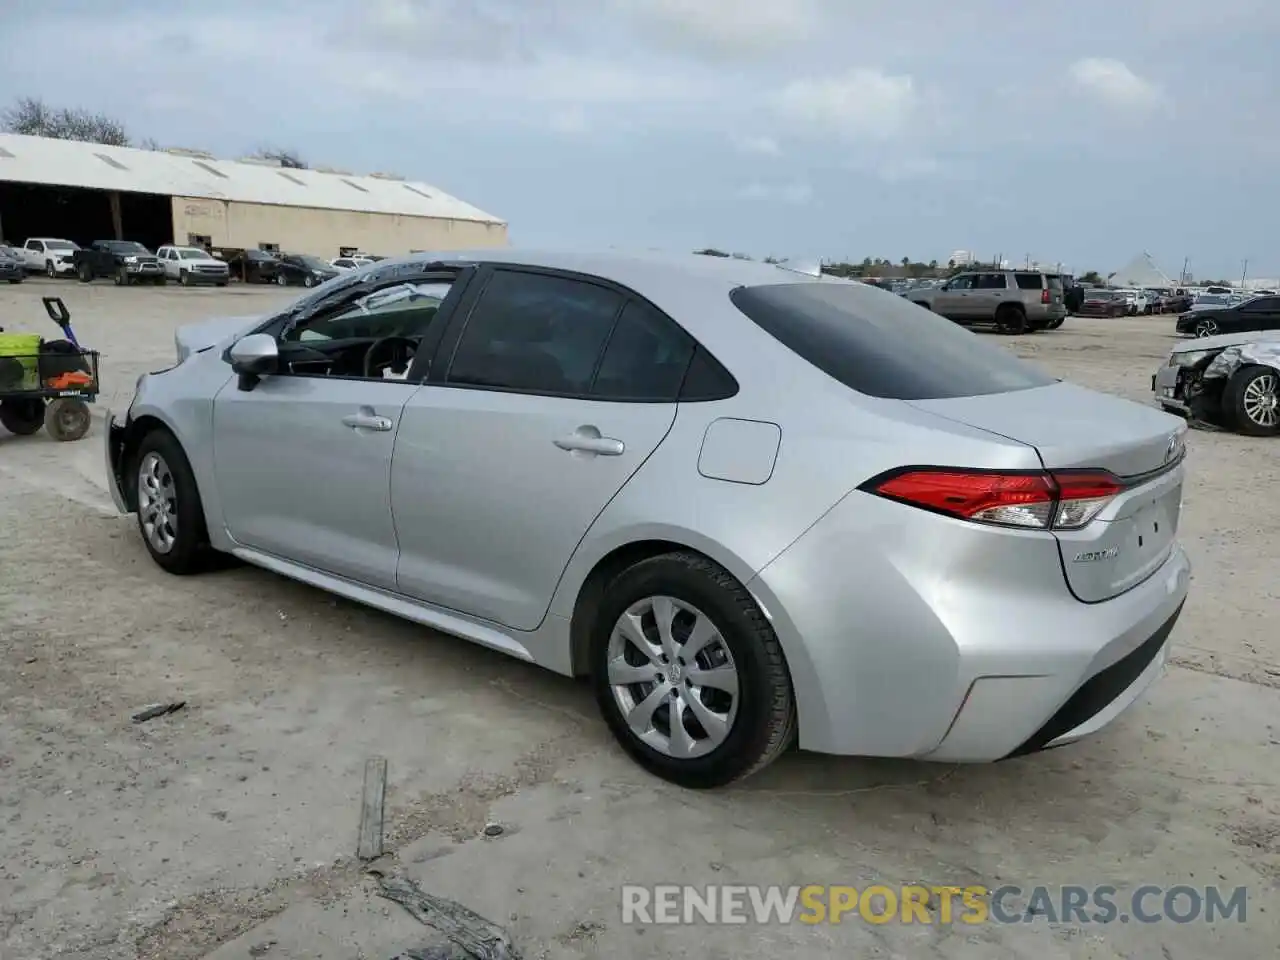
pixel 50 270
pixel 280 279
pixel 689 674
pixel 1252 397
pixel 1206 328
pixel 170 514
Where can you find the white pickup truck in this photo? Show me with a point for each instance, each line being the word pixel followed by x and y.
pixel 191 265
pixel 49 255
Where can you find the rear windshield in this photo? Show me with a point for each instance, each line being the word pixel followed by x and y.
pixel 883 345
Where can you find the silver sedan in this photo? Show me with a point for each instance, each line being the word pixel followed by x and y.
pixel 755 507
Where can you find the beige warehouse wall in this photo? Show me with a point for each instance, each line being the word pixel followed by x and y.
pixel 323 232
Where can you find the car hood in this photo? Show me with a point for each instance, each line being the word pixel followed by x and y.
pixel 1224 340
pixel 197 336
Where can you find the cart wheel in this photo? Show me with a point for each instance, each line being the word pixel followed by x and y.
pixel 22 417
pixel 67 418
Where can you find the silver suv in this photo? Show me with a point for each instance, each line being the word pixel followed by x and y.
pixel 1016 301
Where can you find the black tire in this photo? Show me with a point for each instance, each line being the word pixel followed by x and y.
pixel 22 417
pixel 16 279
pixel 223 283
pixel 184 278
pixel 1056 322
pixel 1240 400
pixel 1011 320
pixel 66 419
pixel 308 281
pixel 282 280
pixel 190 552
pixel 121 278
pixel 84 273
pixel 765 722
pixel 50 270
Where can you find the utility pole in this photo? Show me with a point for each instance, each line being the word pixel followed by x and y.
pixel 1244 271
pixel 1182 277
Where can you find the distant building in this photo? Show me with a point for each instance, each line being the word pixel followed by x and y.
pixel 962 258
pixel 87 191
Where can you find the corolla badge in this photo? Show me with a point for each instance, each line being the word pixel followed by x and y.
pixel 1092 556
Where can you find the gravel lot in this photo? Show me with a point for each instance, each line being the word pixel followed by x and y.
pixel 228 829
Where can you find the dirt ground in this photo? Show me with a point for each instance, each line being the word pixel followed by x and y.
pixel 228 829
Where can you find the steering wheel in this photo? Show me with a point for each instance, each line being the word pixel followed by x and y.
pixel 399 352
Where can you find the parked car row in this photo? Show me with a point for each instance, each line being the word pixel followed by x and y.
pixel 129 262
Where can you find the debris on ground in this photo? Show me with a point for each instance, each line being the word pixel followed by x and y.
pixel 478 938
pixel 450 951
pixel 158 710
pixel 372 803
pixel 493 829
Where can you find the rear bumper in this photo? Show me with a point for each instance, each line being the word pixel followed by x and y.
pixel 968 650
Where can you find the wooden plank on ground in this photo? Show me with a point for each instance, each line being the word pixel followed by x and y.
pixel 371 809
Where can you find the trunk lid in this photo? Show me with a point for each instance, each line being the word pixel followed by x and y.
pixel 1074 428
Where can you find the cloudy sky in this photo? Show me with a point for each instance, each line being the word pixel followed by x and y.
pixel 1081 132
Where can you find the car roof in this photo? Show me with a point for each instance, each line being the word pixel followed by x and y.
pixel 634 269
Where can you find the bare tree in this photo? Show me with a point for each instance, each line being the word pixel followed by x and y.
pixel 33 117
pixel 286 158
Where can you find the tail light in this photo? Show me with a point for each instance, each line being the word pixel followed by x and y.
pixel 1051 500
pixel 1044 296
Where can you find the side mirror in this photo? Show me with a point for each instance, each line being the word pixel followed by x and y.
pixel 253 357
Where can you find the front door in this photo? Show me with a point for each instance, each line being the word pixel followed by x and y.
pixel 952 300
pixel 303 460
pixel 302 466
pixel 558 390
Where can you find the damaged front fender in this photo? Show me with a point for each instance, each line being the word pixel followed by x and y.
pixel 1261 353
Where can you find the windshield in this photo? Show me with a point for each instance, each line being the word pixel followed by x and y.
pixel 124 246
pixel 315 263
pixel 870 341
pixel 60 245
pixel 191 253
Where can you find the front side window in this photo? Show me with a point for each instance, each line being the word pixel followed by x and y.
pixel 534 332
pixel 963 282
pixel 403 310
pixel 991 281
pixel 1262 305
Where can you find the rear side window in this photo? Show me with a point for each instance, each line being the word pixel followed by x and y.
pixel 646 358
pixel 537 333
pixel 883 345
pixel 1029 281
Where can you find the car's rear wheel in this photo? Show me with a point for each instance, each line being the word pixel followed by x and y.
pixel 1011 320
pixel 689 674
pixel 1206 328
pixel 1252 396
pixel 170 514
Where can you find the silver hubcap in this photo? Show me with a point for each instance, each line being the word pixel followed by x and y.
pixel 1260 400
pixel 1206 328
pixel 157 503
pixel 673 677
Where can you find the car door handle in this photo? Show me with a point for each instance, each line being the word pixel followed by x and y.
pixel 367 421
pixel 591 443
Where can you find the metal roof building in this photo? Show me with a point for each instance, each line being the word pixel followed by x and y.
pixel 88 191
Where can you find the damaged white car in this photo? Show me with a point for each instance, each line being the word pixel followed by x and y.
pixel 1230 381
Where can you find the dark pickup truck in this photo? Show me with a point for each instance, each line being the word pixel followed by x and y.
pixel 124 261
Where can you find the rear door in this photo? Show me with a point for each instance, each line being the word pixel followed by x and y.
pixel 1261 313
pixel 1075 428
pixel 952 301
pixel 33 254
pixel 523 434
